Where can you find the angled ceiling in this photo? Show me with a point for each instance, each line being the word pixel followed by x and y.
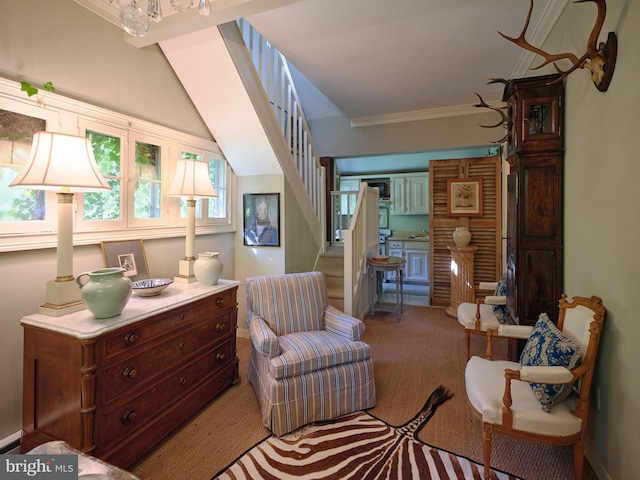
pixel 379 61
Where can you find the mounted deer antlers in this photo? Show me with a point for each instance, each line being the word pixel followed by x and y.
pixel 503 116
pixel 600 59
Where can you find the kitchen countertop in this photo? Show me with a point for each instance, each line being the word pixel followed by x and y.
pixel 406 237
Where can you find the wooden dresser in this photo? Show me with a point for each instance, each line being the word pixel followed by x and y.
pixel 113 388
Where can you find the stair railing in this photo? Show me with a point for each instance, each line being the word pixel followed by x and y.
pixel 343 205
pixel 360 244
pixel 274 73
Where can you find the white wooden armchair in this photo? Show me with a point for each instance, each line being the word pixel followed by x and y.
pixel 525 400
pixel 307 360
pixel 486 313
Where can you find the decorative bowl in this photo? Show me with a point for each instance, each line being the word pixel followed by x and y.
pixel 151 286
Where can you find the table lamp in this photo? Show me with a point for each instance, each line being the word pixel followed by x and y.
pixel 191 181
pixel 65 164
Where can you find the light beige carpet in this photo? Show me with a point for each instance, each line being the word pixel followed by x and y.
pixel 411 359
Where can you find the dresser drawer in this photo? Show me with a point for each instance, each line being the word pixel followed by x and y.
pixel 146 363
pixel 121 421
pixel 139 333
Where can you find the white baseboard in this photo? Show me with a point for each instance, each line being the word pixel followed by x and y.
pixel 595 463
pixel 242 333
pixel 5 442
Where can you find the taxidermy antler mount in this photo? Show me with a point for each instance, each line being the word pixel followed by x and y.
pixel 503 117
pixel 600 59
pixel 504 120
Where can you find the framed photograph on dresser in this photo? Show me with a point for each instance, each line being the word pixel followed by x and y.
pixel 127 254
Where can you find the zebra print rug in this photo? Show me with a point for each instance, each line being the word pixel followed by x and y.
pixel 356 446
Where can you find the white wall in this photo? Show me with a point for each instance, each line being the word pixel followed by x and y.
pixel 86 58
pixel 602 227
pixel 252 261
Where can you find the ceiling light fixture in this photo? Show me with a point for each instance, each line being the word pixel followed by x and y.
pixel 136 21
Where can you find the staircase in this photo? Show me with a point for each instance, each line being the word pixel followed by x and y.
pixel 331 264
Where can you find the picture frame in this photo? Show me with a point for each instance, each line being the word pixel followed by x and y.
pixel 261 214
pixel 383 218
pixel 127 254
pixel 464 197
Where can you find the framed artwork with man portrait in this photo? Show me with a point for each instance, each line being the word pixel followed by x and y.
pixel 261 219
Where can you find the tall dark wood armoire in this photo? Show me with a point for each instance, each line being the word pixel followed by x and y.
pixel 534 197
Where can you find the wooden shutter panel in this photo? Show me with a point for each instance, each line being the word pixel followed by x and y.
pixel 485 230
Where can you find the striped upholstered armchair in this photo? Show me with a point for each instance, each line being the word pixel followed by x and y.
pixel 307 361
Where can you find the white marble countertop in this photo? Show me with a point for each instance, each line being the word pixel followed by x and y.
pixel 83 325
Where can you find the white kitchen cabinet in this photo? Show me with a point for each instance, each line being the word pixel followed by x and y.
pixel 410 194
pixel 416 253
pixel 417 256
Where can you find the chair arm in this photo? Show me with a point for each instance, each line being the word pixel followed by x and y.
pixel 495 300
pixel 342 324
pixel 262 337
pixel 546 374
pixel 515 331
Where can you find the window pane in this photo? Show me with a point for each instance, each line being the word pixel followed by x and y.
pixel 147 200
pixel 147 187
pixel 105 205
pixel 217 205
pixel 16 135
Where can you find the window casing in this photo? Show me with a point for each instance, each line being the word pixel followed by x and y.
pixel 138 160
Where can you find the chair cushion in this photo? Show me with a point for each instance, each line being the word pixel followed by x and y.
pixel 306 352
pixel 501 311
pixel 484 380
pixel 548 346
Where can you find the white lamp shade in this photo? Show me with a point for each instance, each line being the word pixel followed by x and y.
pixel 57 161
pixel 191 180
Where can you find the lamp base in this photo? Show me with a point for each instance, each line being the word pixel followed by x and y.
pixel 185 271
pixel 62 298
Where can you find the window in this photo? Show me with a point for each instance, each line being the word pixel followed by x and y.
pixel 22 210
pixel 137 159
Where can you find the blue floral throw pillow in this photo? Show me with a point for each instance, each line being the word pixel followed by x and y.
pixel 501 311
pixel 548 346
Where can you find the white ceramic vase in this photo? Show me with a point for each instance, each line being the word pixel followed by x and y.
pixel 207 268
pixel 106 291
pixel 461 236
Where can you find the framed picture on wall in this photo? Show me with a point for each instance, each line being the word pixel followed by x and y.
pixel 127 254
pixel 464 197
pixel 261 219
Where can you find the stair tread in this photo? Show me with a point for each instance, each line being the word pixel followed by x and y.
pixel 333 273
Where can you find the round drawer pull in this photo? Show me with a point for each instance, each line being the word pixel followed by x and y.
pixel 128 417
pixel 220 357
pixel 183 381
pixel 220 302
pixel 130 338
pixel 220 327
pixel 182 345
pixel 130 373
